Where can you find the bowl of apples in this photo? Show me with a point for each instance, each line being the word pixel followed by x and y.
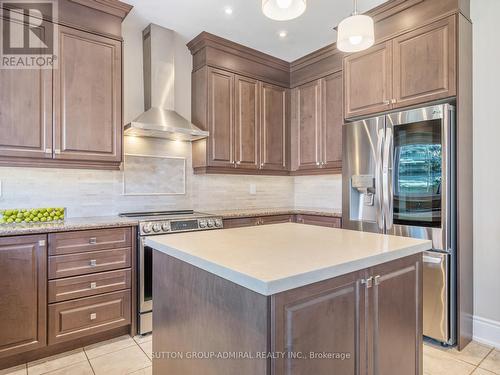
pixel 32 215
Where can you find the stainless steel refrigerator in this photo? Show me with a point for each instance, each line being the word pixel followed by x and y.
pixel 399 178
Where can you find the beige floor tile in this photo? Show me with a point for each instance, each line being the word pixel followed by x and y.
pixel 109 346
pixel 473 353
pixel 144 371
pixel 17 370
pixel 121 362
pixel 142 339
pixel 480 371
pixel 56 362
pixel 82 368
pixel 438 363
pixel 492 362
pixel 147 347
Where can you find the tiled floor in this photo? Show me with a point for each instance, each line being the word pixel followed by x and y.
pixel 126 355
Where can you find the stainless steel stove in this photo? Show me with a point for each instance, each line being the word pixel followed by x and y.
pixel 153 224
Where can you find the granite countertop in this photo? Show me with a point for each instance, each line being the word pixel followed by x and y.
pixel 70 224
pixel 253 212
pixel 270 259
pixel 83 223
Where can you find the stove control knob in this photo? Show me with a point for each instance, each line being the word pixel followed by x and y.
pixel 218 223
pixel 146 228
pixel 165 227
pixel 156 227
pixel 210 223
pixel 203 223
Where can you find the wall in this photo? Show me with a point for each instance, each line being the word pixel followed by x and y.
pixel 99 193
pixel 318 191
pixel 484 14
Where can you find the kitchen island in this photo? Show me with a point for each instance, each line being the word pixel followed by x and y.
pixel 287 299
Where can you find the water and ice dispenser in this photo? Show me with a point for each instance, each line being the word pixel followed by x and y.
pixel 362 196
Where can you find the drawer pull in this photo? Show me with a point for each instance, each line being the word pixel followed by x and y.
pixel 93 316
pixel 93 263
pixel 92 240
pixel 93 285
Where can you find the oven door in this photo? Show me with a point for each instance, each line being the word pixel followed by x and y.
pixel 145 277
pixel 417 162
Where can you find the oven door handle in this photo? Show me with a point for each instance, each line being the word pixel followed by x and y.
pixel 387 178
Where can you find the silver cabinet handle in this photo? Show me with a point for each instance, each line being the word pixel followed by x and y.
pixel 41 243
pixel 92 240
pixel 48 151
pixel 93 316
pixel 376 280
pixel 367 282
pixel 57 151
pixel 93 263
pixel 238 162
pixel 387 102
pixel 93 285
pixel 394 101
pixel 433 260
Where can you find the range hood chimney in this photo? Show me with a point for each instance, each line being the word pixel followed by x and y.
pixel 160 120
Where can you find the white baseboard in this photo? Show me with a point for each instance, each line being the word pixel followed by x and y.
pixel 486 331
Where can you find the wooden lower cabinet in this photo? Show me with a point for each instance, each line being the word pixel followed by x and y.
pixel 240 222
pixel 362 323
pixel 23 294
pixel 85 316
pixel 370 321
pixel 322 221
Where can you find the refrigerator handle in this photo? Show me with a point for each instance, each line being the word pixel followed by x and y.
pixel 387 179
pixel 378 179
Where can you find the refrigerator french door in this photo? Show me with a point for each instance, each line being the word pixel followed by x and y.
pixel 399 179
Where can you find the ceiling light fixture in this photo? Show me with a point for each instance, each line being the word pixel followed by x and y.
pixel 283 34
pixel 283 10
pixel 228 10
pixel 355 33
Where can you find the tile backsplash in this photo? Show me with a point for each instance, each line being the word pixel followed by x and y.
pixel 100 193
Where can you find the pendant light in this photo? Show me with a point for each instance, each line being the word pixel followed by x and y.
pixel 283 10
pixel 355 33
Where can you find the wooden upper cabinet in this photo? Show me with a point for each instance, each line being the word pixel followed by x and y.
pixel 247 123
pixel 424 64
pixel 88 121
pixel 414 68
pixel 273 127
pixel 306 125
pixel 220 118
pixel 23 282
pixel 332 120
pixel 367 81
pixel 26 113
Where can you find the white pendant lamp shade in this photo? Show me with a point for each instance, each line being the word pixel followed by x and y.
pixel 283 10
pixel 355 33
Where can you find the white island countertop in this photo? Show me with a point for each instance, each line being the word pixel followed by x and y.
pixel 270 259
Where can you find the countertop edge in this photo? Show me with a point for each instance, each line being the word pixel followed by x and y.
pixel 281 285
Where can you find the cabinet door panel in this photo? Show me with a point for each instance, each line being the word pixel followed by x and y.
pixel 396 290
pixel 220 118
pixel 332 121
pixel 247 123
pixel 424 64
pixel 307 124
pixel 273 127
pixel 88 97
pixel 367 81
pixel 23 299
pixel 326 317
pixel 26 113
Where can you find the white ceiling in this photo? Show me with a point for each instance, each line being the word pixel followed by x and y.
pixel 248 25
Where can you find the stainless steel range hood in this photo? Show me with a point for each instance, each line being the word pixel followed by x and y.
pixel 160 120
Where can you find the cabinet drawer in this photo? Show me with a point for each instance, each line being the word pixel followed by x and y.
pixel 86 316
pixel 89 240
pixel 240 222
pixel 275 219
pixel 322 221
pixel 89 262
pixel 88 285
